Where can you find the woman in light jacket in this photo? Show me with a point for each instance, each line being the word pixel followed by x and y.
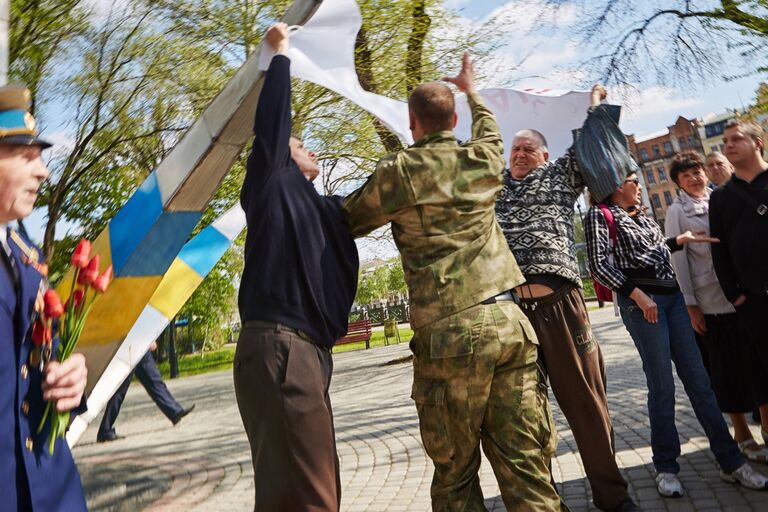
pixel 724 348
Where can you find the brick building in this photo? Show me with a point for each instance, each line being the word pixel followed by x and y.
pixel 655 151
pixel 711 131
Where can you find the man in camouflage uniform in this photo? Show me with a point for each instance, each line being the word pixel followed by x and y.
pixel 475 371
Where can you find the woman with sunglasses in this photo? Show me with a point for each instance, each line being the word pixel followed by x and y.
pixel 635 263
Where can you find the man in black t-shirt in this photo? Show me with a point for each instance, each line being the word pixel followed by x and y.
pixel 738 216
pixel 297 288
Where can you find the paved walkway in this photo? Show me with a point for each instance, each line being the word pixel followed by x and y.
pixel 204 463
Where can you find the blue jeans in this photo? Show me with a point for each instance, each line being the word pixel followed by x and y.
pixel 672 339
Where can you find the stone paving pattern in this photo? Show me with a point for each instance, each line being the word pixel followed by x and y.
pixel 203 464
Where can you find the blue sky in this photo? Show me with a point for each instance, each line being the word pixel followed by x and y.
pixel 656 107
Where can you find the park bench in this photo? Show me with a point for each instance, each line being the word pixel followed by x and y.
pixel 357 331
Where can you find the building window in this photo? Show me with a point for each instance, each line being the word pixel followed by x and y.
pixel 656 201
pixel 681 141
pixel 691 141
pixel 643 154
pixel 667 148
pixel 651 177
pixel 712 130
pixel 668 197
pixel 713 148
pixel 662 175
pixel 656 153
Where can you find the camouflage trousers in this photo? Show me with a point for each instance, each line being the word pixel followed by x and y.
pixel 476 379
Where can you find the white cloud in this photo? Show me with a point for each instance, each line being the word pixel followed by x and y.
pixel 535 49
pixel 658 105
pixel 523 16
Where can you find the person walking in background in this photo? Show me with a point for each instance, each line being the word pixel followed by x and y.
pixel 738 216
pixel 637 266
pixel 738 383
pixel 152 380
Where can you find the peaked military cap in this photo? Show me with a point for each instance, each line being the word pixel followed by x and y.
pixel 17 126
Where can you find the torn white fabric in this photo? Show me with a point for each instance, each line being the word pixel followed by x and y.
pixel 322 52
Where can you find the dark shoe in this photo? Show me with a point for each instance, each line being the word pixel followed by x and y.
pixel 183 413
pixel 105 438
pixel 627 505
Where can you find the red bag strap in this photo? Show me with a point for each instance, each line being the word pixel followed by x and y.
pixel 608 214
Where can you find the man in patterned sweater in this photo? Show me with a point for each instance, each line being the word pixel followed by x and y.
pixel 535 211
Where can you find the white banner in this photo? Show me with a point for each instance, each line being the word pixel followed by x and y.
pixel 322 52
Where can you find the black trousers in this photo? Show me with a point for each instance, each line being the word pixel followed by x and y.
pixel 753 318
pixel 281 384
pixel 150 378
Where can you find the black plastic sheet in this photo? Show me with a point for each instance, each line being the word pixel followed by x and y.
pixel 602 152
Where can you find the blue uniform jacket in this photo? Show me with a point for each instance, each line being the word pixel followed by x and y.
pixel 30 478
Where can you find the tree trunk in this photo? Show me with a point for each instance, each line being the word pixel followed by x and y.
pixel 363 59
pixel 49 236
pixel 419 30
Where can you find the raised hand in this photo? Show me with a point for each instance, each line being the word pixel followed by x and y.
pixel 465 80
pixel 277 37
pixel 599 93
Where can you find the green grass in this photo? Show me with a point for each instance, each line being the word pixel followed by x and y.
pixel 193 364
pixel 218 360
pixel 377 340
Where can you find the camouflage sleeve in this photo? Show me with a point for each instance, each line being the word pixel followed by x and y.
pixel 485 129
pixel 363 208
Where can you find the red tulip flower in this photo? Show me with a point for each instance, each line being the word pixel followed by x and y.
pixel 40 333
pixel 53 305
pixel 76 298
pixel 102 282
pixel 82 254
pixel 89 273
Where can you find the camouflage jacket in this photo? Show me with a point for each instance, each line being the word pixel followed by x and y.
pixel 440 197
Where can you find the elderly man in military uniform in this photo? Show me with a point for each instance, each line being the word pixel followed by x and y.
pixel 476 377
pixel 32 478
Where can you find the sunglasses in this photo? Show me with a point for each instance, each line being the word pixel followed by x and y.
pixel 636 181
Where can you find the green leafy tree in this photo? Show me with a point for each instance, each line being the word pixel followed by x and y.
pixel 396 278
pixel 758 111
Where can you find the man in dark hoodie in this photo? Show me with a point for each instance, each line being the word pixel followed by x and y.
pixel 296 291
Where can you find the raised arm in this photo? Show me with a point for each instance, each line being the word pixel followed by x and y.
pixel 485 129
pixel 364 208
pixel 272 125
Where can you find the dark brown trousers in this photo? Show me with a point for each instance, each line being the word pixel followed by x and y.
pixel 281 384
pixel 574 363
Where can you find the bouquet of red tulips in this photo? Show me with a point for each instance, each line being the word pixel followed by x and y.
pixel 70 320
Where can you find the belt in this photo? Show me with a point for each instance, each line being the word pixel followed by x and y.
pixel 258 324
pixel 508 295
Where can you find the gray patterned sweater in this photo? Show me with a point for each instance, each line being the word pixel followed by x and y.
pixel 536 215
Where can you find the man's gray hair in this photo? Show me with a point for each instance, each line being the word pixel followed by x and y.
pixel 535 135
pixel 715 153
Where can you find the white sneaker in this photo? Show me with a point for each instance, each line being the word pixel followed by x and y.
pixel 669 486
pixel 747 477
